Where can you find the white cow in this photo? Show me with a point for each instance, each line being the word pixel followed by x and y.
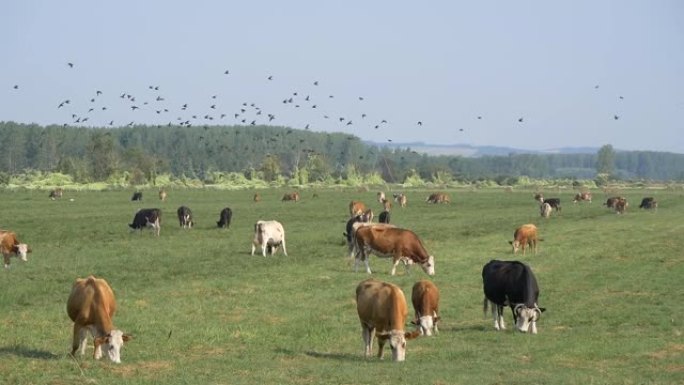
pixel 268 235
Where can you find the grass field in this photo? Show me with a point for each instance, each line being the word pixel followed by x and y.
pixel 203 311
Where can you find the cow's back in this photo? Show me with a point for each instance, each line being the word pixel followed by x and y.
pixel 381 305
pixel 508 282
pixel 88 295
pixel 425 297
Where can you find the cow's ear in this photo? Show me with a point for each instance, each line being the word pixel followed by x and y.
pixel 542 309
pixel 383 337
pixel 127 337
pixel 437 318
pixel 510 242
pixel 101 340
pixel 412 335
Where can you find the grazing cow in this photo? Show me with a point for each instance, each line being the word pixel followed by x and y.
pixel 545 209
pixel 382 311
pixel 268 235
pixel 386 240
pixel 257 197
pixel 11 247
pixel 357 208
pixel 525 235
pixel 583 196
pixel 162 195
pixel 512 283
pixel 91 305
pixel 425 299
pixel 147 218
pixel 224 218
pixel 381 196
pixel 291 197
pixel 648 203
pixel 610 202
pixel 137 196
pixel 438 198
pixel 185 217
pixel 401 199
pixel 553 202
pixel 386 205
pixel 620 205
pixel 56 193
pixel 384 217
pixel 350 229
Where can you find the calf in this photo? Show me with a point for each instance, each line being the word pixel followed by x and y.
pixel 11 247
pixel 384 217
pixel 268 235
pixel 512 283
pixel 648 203
pixel 162 195
pixel 525 235
pixel 620 206
pixel 583 196
pixel 381 196
pixel 185 217
pixel 224 218
pixel 425 299
pixel 137 196
pixel 147 218
pixel 382 311
pixel 401 199
pixel 388 241
pixel 291 197
pixel 257 197
pixel 553 202
pixel 91 305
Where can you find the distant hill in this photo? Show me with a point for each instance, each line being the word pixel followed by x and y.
pixel 467 150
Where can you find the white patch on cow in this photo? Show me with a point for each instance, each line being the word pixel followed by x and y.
pixel 427 325
pixel 22 250
pixel 397 342
pixel 527 318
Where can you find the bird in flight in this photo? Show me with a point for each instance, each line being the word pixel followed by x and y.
pixel 315 83
pixel 16 87
pixel 520 120
pixel 616 117
pixel 226 72
pixel 71 65
pixel 420 123
pixel 270 77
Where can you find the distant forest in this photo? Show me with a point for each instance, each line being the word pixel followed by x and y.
pixel 270 152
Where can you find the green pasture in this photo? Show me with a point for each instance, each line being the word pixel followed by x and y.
pixel 203 311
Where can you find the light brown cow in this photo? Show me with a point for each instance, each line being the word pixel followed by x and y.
pixel 91 305
pixel 381 196
pixel 293 196
pixel 357 208
pixel 11 247
pixel 386 205
pixel 56 193
pixel 401 199
pixel 525 235
pixel 583 196
pixel 382 311
pixel 388 241
pixel 425 299
pixel 162 195
pixel 438 198
pixel 257 197
pixel 621 205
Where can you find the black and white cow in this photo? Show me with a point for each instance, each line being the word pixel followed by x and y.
pixel 137 196
pixel 185 217
pixel 348 234
pixel 224 218
pixel 147 218
pixel 512 283
pixel 384 217
pixel 648 203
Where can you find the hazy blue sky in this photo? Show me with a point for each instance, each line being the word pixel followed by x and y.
pixel 444 63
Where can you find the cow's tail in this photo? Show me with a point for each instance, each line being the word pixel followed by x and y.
pixel 485 304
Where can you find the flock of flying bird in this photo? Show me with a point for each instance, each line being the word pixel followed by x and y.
pixel 248 113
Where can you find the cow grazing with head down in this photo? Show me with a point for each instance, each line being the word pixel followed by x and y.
pixel 582 197
pixel 137 196
pixel 649 203
pixel 185 217
pixel 294 196
pixel 11 247
pixel 525 235
pixel 91 305
pixel 545 210
pixel 610 202
pixel 401 199
pixel 381 196
pixel 268 235
pixel 389 241
pixel 438 198
pixel 384 217
pixel 56 193
pixel 357 208
pixel 553 202
pixel 425 299
pixel 224 218
pixel 382 311
pixel 512 283
pixel 162 195
pixel 386 205
pixel 620 205
pixel 147 218
pixel 257 197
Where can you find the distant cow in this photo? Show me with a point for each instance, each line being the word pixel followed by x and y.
pixel 382 311
pixel 438 198
pixel 294 196
pixel 137 196
pixel 583 196
pixel 525 235
pixel 401 199
pixel 381 196
pixel 553 202
pixel 162 195
pixel 147 218
pixel 91 305
pixel 388 241
pixel 257 197
pixel 386 205
pixel 545 210
pixel 356 208
pixel 425 299
pixel 268 235
pixel 512 283
pixel 648 203
pixel 224 218
pixel 610 202
pixel 56 193
pixel 384 217
pixel 185 217
pixel 620 205
pixel 10 246
pixel 350 229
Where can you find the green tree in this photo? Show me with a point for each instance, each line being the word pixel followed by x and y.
pixel 104 160
pixel 605 161
pixel 270 167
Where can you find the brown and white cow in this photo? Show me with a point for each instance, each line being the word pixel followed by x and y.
pixel 386 205
pixel 56 193
pixel 163 195
pixel 401 199
pixel 293 196
pixel 11 247
pixel 382 311
pixel 582 197
pixel 438 198
pixel 381 196
pixel 91 305
pixel 610 202
pixel 257 197
pixel 389 241
pixel 357 208
pixel 620 205
pixel 268 235
pixel 545 210
pixel 425 299
pixel 525 235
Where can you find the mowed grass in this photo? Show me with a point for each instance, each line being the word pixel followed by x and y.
pixel 203 311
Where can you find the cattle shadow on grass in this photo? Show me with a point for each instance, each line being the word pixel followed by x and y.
pixel 23 351
pixel 326 355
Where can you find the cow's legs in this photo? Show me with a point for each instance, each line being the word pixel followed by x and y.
pixel 7 260
pixel 367 262
pixel 79 339
pixel 284 249
pixel 497 314
pixel 395 262
pixel 368 334
pixel 253 248
pixel 381 347
pixel 533 327
pixel 263 249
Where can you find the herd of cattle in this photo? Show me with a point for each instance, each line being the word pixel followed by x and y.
pixel 381 306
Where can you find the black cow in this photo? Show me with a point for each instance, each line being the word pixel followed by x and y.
pixel 224 218
pixel 553 202
pixel 362 218
pixel 137 196
pixel 648 203
pixel 512 283
pixel 185 217
pixel 147 218
pixel 384 217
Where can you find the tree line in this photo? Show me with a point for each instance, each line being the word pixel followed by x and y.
pixel 272 152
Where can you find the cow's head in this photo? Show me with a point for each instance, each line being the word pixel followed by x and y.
pixel 429 265
pixel 21 250
pixel 526 317
pixel 516 245
pixel 427 324
pixel 112 344
pixel 397 341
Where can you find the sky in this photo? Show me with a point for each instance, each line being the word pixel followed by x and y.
pixel 534 75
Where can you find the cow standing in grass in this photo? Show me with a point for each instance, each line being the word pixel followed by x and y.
pixel 582 197
pixel 388 241
pixel 147 218
pixel 425 299
pixel 185 217
pixel 649 203
pixel 268 235
pixel 525 235
pixel 224 218
pixel 10 246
